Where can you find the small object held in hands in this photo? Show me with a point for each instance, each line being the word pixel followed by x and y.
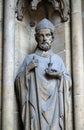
pixel 53 73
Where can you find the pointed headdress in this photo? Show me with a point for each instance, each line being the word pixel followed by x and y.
pixel 45 23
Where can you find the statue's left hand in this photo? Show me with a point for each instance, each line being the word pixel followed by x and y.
pixel 53 73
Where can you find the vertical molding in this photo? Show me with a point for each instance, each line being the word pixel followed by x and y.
pixel 77 64
pixel 67 46
pixel 8 65
pixel 68 66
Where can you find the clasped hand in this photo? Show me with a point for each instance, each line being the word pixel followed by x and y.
pixel 33 64
pixel 53 73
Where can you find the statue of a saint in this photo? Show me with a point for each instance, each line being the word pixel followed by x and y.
pixel 42 85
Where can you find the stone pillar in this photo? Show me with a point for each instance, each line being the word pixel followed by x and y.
pixel 67 46
pixel 68 65
pixel 77 64
pixel 8 65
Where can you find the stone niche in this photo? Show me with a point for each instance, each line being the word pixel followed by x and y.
pixel 28 14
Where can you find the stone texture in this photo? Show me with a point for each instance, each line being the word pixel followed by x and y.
pixel 0 77
pixel 8 66
pixel 77 62
pixel 0 61
pixel 83 22
pixel 76 5
pixel 58 45
pixel 1 25
pixel 24 44
pixel 79 112
pixel 68 65
pixel 1 9
pixel 0 119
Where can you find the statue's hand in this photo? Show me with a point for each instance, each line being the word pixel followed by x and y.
pixel 33 64
pixel 53 73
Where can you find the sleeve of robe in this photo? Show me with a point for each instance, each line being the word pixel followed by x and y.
pixel 21 89
pixel 67 90
pixel 64 99
pixel 64 96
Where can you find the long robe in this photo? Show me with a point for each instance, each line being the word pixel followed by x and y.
pixel 43 100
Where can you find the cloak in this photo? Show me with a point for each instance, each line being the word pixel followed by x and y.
pixel 43 101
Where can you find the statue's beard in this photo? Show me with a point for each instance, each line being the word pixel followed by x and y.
pixel 44 46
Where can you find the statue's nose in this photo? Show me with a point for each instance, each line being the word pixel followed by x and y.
pixel 44 38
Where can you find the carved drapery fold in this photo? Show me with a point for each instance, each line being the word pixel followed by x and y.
pixel 61 6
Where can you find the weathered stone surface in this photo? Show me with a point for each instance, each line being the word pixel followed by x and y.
pixel 83 22
pixel 0 119
pixel 0 76
pixel 59 42
pixel 1 16
pixel 78 68
pixel 76 6
pixel 8 66
pixel 1 9
pixel 79 111
pixel 24 43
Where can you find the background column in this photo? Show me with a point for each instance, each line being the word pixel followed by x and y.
pixel 8 65
pixel 77 64
pixel 68 66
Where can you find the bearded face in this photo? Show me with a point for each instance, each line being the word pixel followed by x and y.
pixel 44 39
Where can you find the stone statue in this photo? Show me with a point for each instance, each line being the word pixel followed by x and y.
pixel 42 85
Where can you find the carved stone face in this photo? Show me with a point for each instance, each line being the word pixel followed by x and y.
pixel 44 39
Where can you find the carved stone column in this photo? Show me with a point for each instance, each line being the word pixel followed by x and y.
pixel 77 63
pixel 68 65
pixel 8 65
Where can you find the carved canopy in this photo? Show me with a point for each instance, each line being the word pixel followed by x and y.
pixel 62 6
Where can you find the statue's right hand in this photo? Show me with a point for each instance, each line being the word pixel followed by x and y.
pixel 33 64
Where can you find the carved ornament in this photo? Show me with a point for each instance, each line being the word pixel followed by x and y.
pixel 61 6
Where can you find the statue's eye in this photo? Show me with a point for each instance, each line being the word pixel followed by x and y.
pixel 40 35
pixel 48 34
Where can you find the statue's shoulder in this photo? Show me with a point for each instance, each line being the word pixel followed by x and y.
pixel 57 57
pixel 29 57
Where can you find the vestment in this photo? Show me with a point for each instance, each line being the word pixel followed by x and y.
pixel 43 100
